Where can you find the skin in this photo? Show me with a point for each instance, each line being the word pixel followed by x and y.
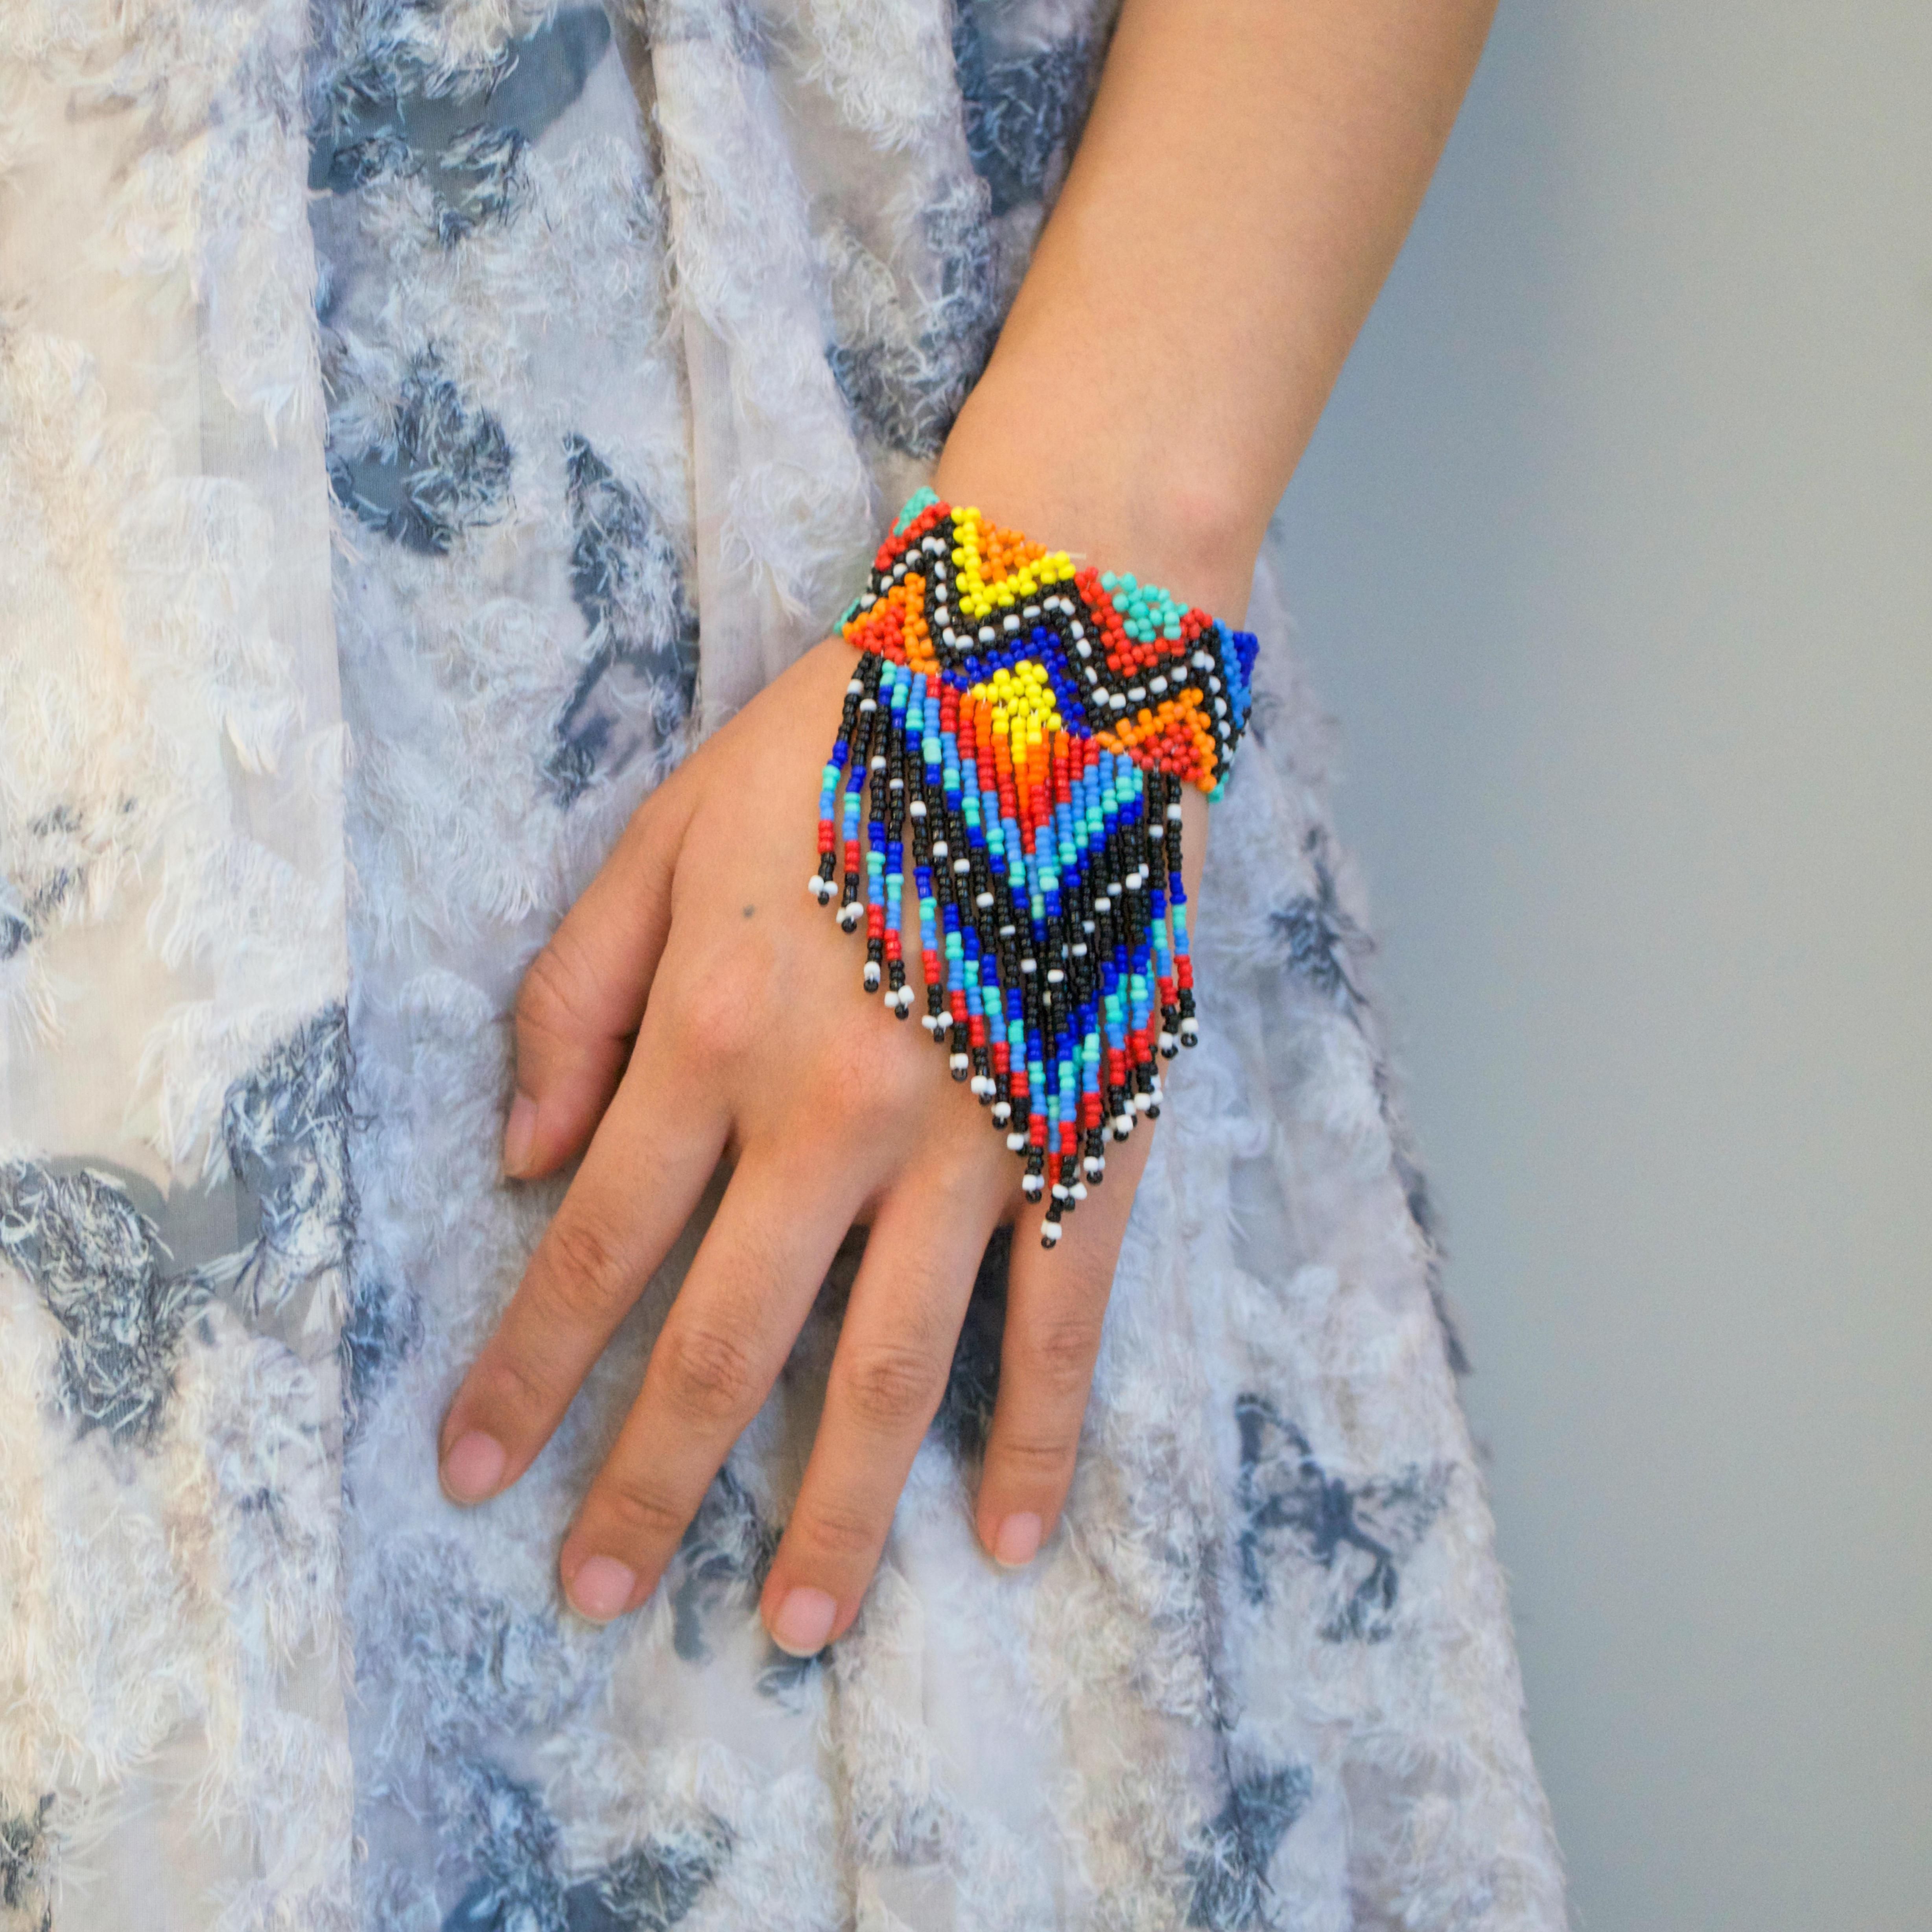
pixel 1271 153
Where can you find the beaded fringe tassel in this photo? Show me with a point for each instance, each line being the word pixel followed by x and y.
pixel 1032 724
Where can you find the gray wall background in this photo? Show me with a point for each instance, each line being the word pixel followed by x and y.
pixel 1614 556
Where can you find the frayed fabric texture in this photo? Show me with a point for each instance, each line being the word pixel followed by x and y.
pixel 418 426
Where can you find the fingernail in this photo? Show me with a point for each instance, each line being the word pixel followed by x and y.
pixel 473 1468
pixel 804 1622
pixel 519 1131
pixel 1017 1540
pixel 601 1589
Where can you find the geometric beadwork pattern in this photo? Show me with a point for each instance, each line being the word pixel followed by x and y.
pixel 1024 727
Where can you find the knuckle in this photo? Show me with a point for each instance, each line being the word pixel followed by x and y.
pixel 1058 1357
pixel 718 1016
pixel 841 1533
pixel 639 1515
pixel 1033 1459
pixel 877 1074
pixel 554 996
pixel 706 1374
pixel 888 1386
pixel 509 1388
pixel 585 1269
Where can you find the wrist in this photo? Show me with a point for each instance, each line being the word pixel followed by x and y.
pixel 1082 473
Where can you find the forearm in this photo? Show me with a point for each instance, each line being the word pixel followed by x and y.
pixel 1247 174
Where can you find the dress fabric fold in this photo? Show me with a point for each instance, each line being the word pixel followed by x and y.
pixel 418 426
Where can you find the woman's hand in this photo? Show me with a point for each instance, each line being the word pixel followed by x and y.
pixel 1171 345
pixel 754 1042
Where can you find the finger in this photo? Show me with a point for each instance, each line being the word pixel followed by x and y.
pixel 757 1273
pixel 657 1148
pixel 1056 1300
pixel 888 1374
pixel 581 999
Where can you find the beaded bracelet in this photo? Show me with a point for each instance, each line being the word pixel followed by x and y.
pixel 1035 724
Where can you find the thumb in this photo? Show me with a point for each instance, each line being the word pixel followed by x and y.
pixel 578 1008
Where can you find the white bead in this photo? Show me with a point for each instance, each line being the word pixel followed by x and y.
pixel 984 901
pixel 1095 1166
pixel 872 977
pixel 1059 1191
pixel 850 916
pixel 958 1063
pixel 1015 1142
pixel 916 809
pixel 1114 698
pixel 930 1021
pixel 940 848
pixel 1049 1233
pixel 1190 1029
pixel 1142 1101
pixel 1011 623
pixel 1032 1186
pixel 1079 1190
pixel 1003 1112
